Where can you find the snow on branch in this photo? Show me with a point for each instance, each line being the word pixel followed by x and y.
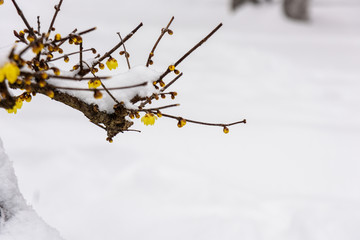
pixel 109 102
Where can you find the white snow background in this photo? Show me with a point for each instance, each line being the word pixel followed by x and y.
pixel 292 172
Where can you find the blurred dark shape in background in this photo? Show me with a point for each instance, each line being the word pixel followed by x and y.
pixel 296 9
pixel 293 9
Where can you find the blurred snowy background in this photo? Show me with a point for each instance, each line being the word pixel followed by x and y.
pixel 291 173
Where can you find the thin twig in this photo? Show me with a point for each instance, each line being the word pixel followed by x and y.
pixel 31 30
pixel 170 83
pixel 69 54
pixel 163 31
pixel 81 57
pixel 126 53
pixel 190 51
pixel 57 9
pixel 72 34
pixel 38 23
pixel 205 123
pixel 114 88
pixel 63 77
pixel 117 45
pixel 158 108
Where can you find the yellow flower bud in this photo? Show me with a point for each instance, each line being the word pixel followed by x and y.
pixel 50 93
pixel 37 48
pixel 57 37
pixel 42 83
pixel 66 59
pixel 97 94
pixel 101 66
pixel 56 71
pixel 44 75
pixel 30 38
pixel 181 123
pixel 171 67
pixel 226 130
pixel 61 51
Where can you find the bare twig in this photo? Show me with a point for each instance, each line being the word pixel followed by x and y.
pixel 205 123
pixel 170 83
pixel 190 51
pixel 57 9
pixel 107 54
pixel 125 52
pixel 31 30
pixel 163 31
pixel 38 23
pixel 102 89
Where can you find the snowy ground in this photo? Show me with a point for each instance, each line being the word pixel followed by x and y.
pixel 291 173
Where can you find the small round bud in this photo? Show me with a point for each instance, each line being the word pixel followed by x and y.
pixel 61 51
pixel 122 52
pixel 101 66
pixel 56 71
pixel 170 32
pixel 137 115
pixel 42 83
pixel 131 115
pixel 162 84
pixel 66 59
pixel 30 38
pixel 97 94
pixel 163 96
pixel 151 62
pixel 50 93
pixel 109 139
pixel 75 67
pixel 181 123
pixel 176 72
pixel 93 50
pixel 171 67
pixel 57 37
pixel 226 130
pixel 44 75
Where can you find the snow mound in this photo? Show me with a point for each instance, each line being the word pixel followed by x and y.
pixel 18 221
pixel 135 76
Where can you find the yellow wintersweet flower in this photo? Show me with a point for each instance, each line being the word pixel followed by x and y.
pixel 94 83
pixel 1 2
pixel 10 71
pixel 111 63
pixel 149 119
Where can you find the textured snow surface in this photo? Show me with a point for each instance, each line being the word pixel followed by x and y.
pixel 21 221
pixel 291 173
